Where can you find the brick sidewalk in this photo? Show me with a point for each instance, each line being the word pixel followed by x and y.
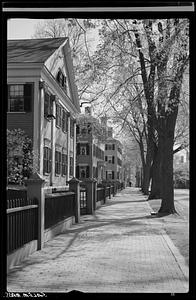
pixel 120 249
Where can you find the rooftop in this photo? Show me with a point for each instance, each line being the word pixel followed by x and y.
pixel 32 50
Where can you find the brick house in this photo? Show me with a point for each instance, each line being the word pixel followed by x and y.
pixel 43 101
pixel 90 152
pixel 113 158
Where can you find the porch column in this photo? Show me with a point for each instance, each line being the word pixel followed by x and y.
pixel 53 134
pixel 68 148
pixel 39 121
pixel 74 150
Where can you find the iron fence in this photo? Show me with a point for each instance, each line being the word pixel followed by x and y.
pixel 58 206
pixel 83 200
pixel 100 194
pixel 22 219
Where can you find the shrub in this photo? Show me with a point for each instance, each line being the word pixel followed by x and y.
pixel 181 176
pixel 19 156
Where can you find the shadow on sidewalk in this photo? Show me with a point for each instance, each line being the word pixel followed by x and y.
pixel 43 256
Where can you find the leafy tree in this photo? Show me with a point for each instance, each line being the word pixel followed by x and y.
pixel 160 47
pixel 89 124
pixel 79 32
pixel 138 70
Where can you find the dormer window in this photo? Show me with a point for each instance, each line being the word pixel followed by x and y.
pixel 62 80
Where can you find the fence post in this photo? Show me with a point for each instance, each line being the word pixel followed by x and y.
pixel 94 192
pixel 90 195
pixel 35 189
pixel 109 191
pixel 74 186
pixel 115 188
pixel 104 186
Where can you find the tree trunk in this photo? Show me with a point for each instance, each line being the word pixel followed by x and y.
pixel 146 176
pixel 166 172
pixel 155 192
pixel 149 159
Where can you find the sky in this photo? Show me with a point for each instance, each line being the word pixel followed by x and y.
pixel 21 28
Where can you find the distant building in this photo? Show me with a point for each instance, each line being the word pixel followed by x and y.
pixel 43 101
pixel 181 157
pixel 90 151
pixel 113 155
pixel 113 159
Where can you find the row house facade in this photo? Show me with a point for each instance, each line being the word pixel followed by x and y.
pixel 90 153
pixel 97 159
pixel 43 101
pixel 113 158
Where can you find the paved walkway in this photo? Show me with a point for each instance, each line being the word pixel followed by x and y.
pixel 121 249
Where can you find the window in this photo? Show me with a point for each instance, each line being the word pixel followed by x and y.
pixel 61 78
pixel 109 174
pixel 48 105
pixel 47 160
pixel 57 162
pixel 95 172
pixel 84 172
pixel 58 115
pixel 82 149
pixel 77 129
pixel 64 121
pixel 110 132
pixel 84 131
pixel 71 127
pixel 119 150
pixel 64 164
pixel 71 166
pixel 110 147
pixel 182 159
pixel 20 97
pixel 119 162
pixel 110 159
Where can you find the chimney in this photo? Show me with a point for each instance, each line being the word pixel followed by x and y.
pixel 88 111
pixel 104 121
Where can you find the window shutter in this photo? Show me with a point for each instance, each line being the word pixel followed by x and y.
pixel 77 171
pixel 58 76
pixel 50 160
pixel 87 172
pixel 113 146
pixel 112 174
pixel 87 149
pixel 106 147
pixel 113 159
pixel 66 122
pixel 52 99
pixel 8 97
pixel 65 83
pixel 78 149
pixel 106 174
pixel 46 103
pixel 77 129
pixel 28 93
pixel 63 120
pixel 44 170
